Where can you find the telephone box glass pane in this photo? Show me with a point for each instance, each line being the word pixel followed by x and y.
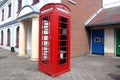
pixel 45 38
pixel 45 31
pixel 63 31
pixel 45 19
pixel 63 37
pixel 63 19
pixel 44 49
pixel 63 43
pixel 63 25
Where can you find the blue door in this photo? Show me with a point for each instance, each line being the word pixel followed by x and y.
pixel 97 42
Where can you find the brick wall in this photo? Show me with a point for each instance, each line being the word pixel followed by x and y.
pixel 79 14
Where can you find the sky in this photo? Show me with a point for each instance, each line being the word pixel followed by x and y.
pixel 106 2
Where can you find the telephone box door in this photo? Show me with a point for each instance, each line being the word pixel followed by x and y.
pixel 45 43
pixel 63 43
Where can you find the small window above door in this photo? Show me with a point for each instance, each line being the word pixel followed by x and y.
pixel 97 39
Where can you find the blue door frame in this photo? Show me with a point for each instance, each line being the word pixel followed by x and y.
pixel 97 41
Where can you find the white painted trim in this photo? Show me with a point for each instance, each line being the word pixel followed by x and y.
pixel 73 2
pixel 93 16
pixel 115 41
pixel 91 43
pixel 113 4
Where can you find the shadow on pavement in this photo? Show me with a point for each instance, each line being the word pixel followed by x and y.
pixel 114 76
pixel 2 57
pixel 118 66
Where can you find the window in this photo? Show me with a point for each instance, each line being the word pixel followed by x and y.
pixel 97 39
pixel 2 14
pixel 17 38
pixel 1 37
pixel 9 10
pixel 8 37
pixel 19 5
pixel 35 1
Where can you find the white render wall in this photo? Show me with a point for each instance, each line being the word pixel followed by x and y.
pixel 5 7
pixel 109 42
pixel 13 29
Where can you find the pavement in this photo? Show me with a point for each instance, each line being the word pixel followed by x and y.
pixel 92 67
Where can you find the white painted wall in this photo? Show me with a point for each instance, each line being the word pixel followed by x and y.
pixel 5 7
pixel 25 10
pixel 109 41
pixel 12 36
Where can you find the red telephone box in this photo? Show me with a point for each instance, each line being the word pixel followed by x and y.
pixel 54 39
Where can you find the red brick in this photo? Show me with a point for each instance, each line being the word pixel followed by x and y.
pixel 80 12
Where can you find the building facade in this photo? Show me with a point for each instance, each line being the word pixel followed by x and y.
pixel 19 24
pixel 104 31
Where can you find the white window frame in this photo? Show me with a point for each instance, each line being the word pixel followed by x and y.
pixel 73 2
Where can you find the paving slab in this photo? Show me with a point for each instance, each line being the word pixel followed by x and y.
pixel 92 67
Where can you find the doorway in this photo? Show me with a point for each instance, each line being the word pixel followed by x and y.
pixel 28 36
pixel 97 42
pixel 118 42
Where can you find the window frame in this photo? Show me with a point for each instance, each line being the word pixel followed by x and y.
pixel 19 5
pixel 97 39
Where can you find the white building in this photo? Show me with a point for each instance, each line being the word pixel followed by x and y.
pixel 19 25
